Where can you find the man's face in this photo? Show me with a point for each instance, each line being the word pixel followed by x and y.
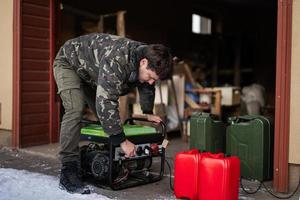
pixel 146 74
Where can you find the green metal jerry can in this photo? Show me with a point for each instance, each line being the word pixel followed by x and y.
pixel 249 138
pixel 207 134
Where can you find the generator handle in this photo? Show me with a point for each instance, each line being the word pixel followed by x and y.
pixel 161 124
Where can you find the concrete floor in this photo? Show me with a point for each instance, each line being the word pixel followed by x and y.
pixel 43 159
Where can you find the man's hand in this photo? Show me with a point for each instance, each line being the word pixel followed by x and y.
pixel 128 148
pixel 153 118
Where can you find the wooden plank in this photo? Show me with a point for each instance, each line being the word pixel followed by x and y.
pixel 123 100
pixel 188 73
pixel 35 54
pixel 35 21
pixel 36 32
pixel 216 106
pixel 36 97
pixel 33 140
pixel 34 118
pixel 34 64
pixel 16 128
pixel 35 75
pixel 179 81
pixel 31 42
pixel 35 86
pixel 54 103
pixel 36 10
pixel 35 129
pixel 35 108
pixel 282 101
pixel 35 2
pixel 121 23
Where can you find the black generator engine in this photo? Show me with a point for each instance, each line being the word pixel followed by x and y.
pixel 107 165
pixel 95 161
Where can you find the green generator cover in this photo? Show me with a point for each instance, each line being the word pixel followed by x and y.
pixel 129 130
pixel 207 134
pixel 249 138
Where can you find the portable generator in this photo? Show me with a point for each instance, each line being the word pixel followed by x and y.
pixel 107 165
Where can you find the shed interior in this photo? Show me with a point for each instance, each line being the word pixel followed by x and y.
pixel 240 49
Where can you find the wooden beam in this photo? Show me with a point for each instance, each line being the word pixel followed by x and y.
pixel 188 73
pixel 123 100
pixel 16 73
pixel 282 101
pixel 121 23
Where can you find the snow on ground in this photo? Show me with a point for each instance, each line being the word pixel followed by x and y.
pixel 25 185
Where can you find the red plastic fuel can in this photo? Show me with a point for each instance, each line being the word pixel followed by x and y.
pixel 218 178
pixel 186 174
pixel 206 176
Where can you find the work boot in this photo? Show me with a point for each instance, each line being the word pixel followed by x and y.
pixel 70 180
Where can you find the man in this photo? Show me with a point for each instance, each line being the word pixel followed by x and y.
pixel 96 69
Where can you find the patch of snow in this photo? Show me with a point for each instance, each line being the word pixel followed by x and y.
pixel 25 185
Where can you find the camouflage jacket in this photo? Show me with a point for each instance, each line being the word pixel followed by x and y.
pixel 108 63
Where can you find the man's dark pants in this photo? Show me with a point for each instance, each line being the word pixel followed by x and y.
pixel 74 95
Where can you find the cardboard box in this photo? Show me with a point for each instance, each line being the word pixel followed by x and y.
pixel 230 96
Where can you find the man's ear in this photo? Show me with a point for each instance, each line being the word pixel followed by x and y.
pixel 144 61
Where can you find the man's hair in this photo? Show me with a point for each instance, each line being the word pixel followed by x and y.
pixel 159 59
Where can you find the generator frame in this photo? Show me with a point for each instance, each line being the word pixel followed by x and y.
pixel 134 179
